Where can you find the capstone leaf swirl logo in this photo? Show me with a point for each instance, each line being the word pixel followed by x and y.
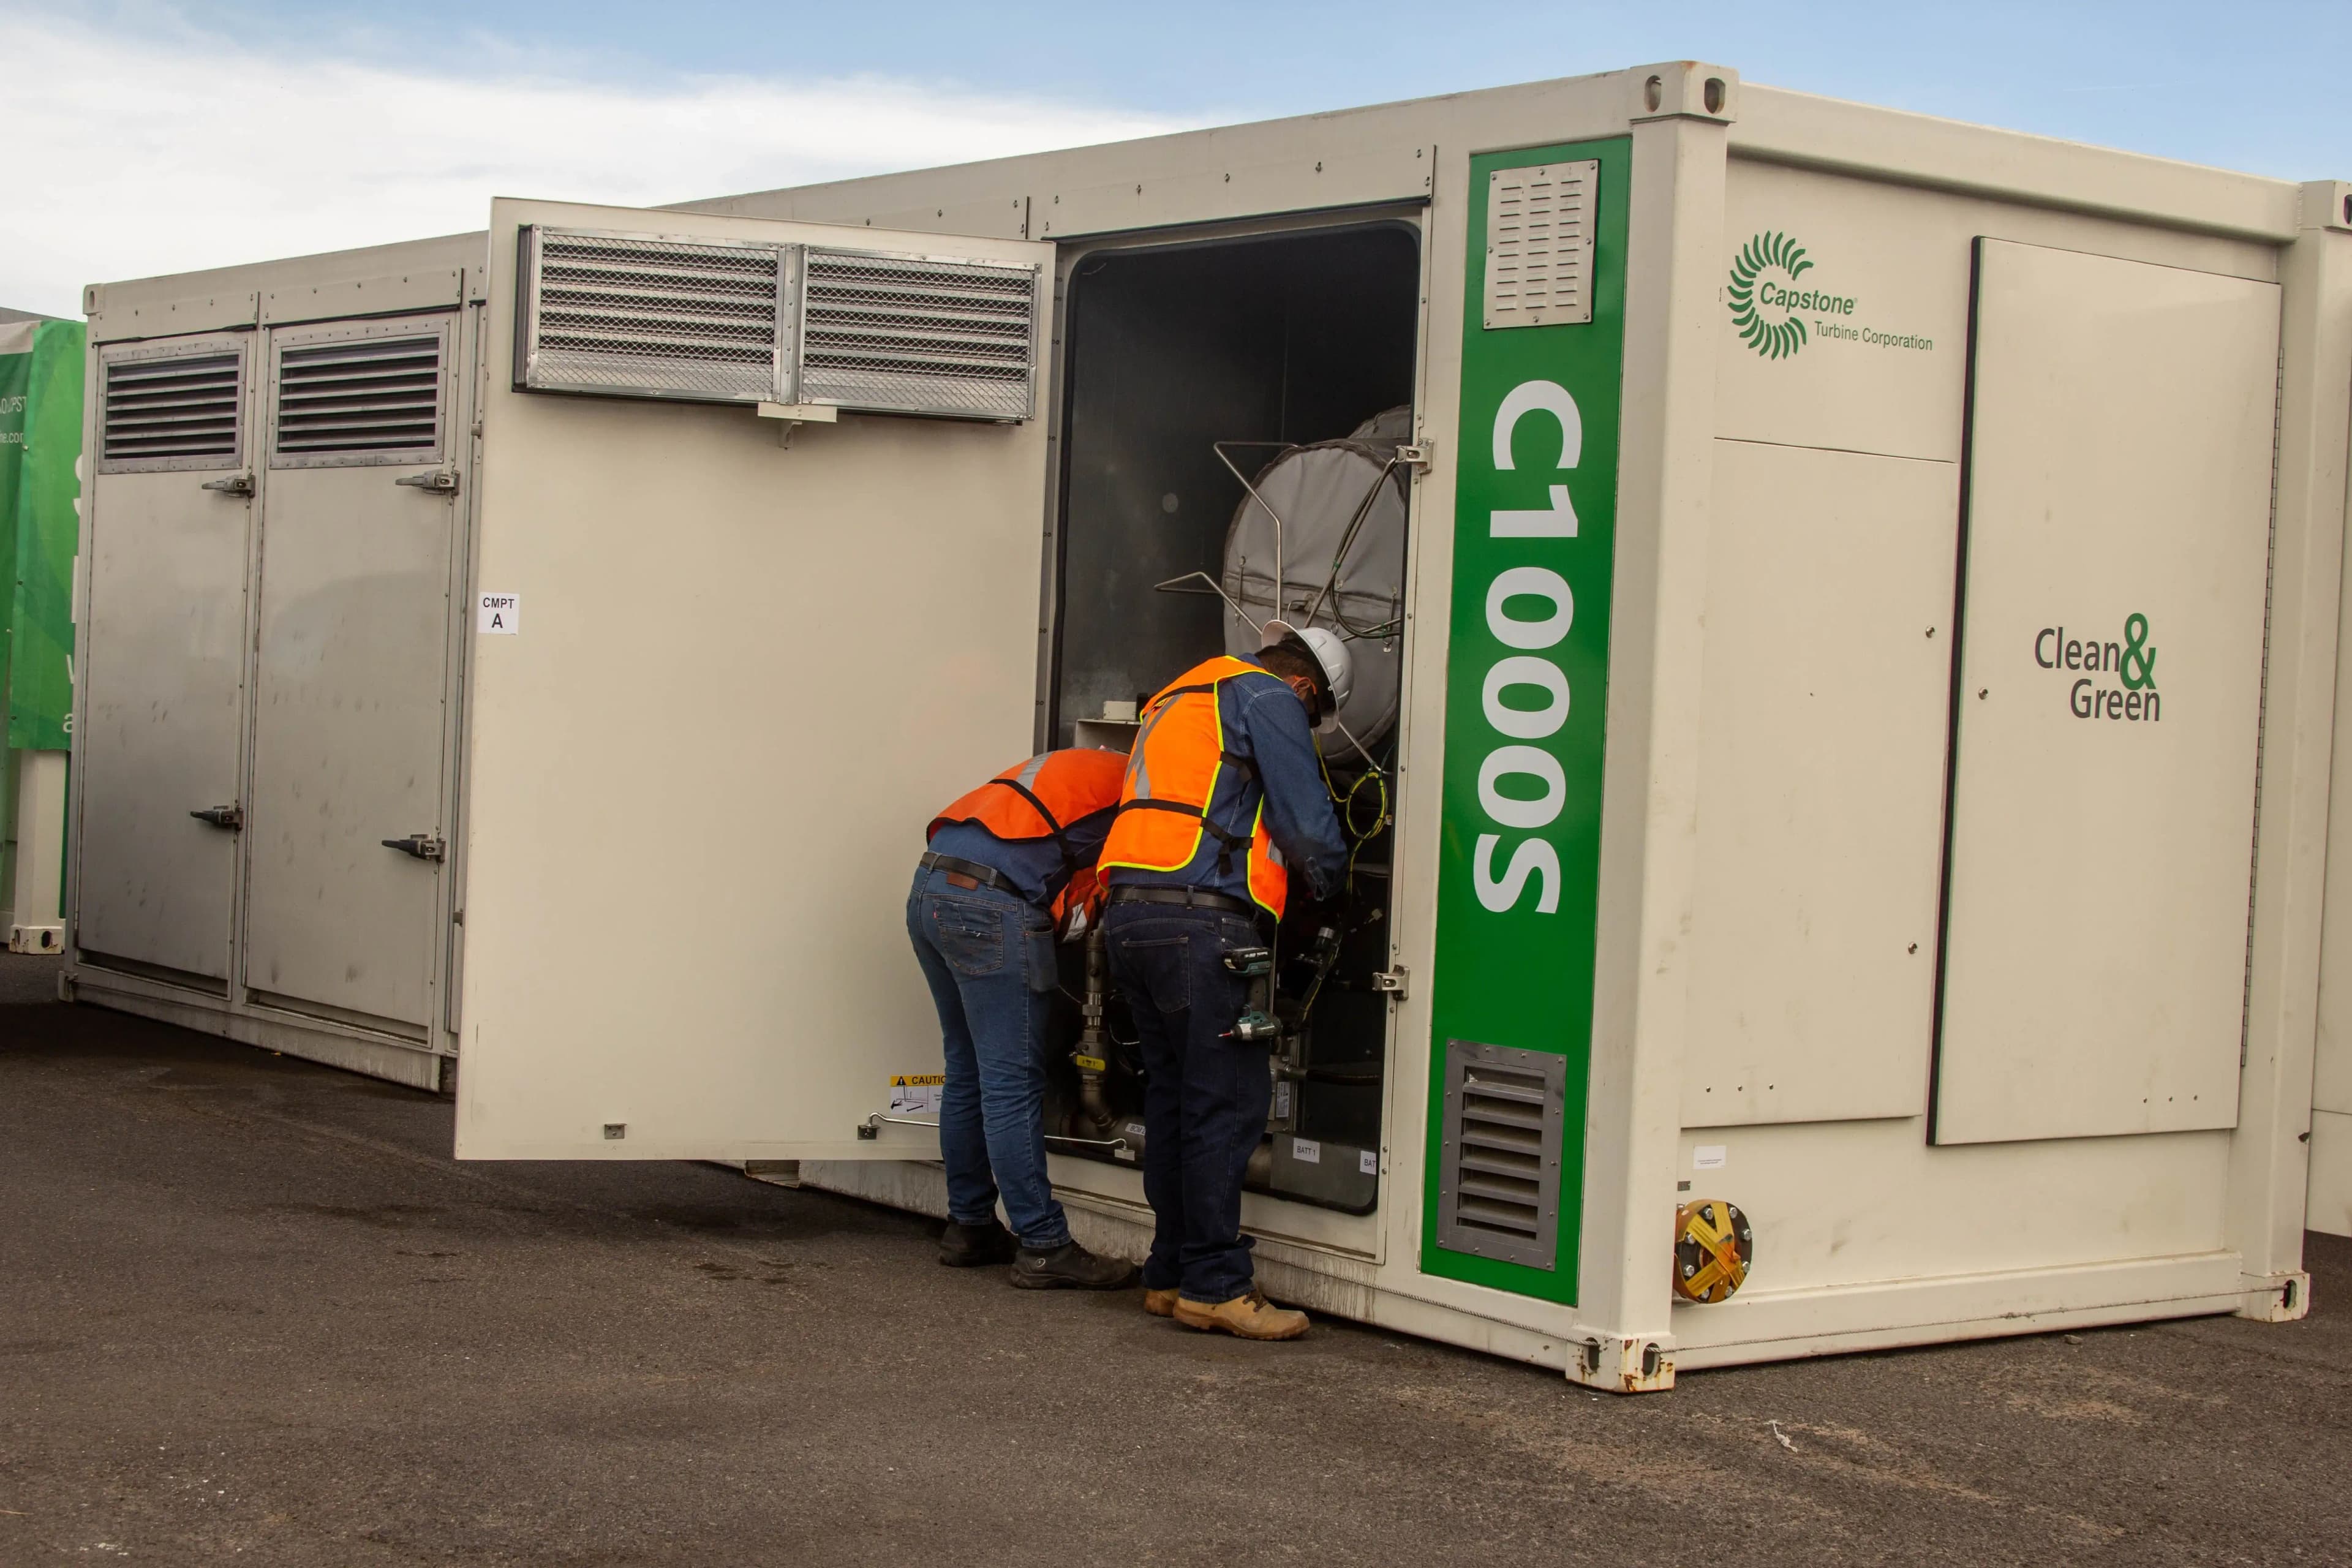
pixel 1763 307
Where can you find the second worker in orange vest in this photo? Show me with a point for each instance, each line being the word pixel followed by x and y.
pixel 1004 861
pixel 1223 804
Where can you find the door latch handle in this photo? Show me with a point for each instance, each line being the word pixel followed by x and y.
pixel 229 817
pixel 424 846
pixel 1390 982
pixel 439 481
pixel 234 484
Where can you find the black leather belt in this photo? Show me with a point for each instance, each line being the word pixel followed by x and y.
pixel 986 876
pixel 1196 898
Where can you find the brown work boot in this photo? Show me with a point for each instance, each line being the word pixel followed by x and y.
pixel 1252 1317
pixel 1159 1303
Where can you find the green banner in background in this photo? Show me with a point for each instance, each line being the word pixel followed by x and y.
pixel 40 440
pixel 1527 682
pixel 16 402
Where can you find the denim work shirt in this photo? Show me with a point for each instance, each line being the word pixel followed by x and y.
pixel 1264 721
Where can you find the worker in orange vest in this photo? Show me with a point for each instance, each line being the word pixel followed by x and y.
pixel 1222 800
pixel 1007 861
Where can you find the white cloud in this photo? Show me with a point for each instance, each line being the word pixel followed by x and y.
pixel 153 148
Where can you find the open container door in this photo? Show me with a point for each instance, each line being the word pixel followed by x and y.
pixel 727 656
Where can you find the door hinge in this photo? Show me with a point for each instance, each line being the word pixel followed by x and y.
pixel 234 484
pixel 1390 982
pixel 229 817
pixel 1416 455
pixel 440 482
pixel 424 846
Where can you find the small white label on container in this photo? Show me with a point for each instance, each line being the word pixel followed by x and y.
pixel 1307 1151
pixel 1708 1157
pixel 499 615
pixel 1368 1161
pixel 1282 1100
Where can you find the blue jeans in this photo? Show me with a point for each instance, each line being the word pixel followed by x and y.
pixel 1204 1099
pixel 989 957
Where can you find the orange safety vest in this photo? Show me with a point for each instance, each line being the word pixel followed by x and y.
pixel 1037 799
pixel 1172 777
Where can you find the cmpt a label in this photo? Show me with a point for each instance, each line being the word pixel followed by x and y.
pixel 2131 664
pixel 1767 306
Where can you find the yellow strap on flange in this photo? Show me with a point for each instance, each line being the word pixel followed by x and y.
pixel 1711 1228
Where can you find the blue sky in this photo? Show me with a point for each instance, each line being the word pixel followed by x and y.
pixel 167 137
pixel 2251 86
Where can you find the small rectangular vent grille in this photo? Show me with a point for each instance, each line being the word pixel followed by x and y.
pixel 905 334
pixel 181 413
pixel 1499 1169
pixel 1539 245
pixel 652 317
pixel 365 397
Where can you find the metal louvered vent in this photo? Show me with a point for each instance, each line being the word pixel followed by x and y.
pixel 174 413
pixel 637 316
pixel 1498 1174
pixel 910 334
pixel 1539 245
pixel 359 400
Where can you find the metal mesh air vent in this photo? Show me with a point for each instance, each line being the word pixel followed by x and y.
pixel 911 335
pixel 174 412
pixel 1539 245
pixel 366 399
pixel 642 317
pixel 1498 1172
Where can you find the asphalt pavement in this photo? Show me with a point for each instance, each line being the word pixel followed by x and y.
pixel 251 1311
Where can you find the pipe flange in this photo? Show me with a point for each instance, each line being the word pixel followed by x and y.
pixel 1714 1248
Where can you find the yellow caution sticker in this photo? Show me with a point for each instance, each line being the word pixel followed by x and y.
pixel 1091 1064
pixel 916 1093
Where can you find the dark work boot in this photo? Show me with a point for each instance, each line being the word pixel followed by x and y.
pixel 1070 1267
pixel 973 1246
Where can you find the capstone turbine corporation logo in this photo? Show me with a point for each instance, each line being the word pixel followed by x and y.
pixel 1767 306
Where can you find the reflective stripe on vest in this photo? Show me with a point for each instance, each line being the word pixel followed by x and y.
pixel 1171 778
pixel 1038 798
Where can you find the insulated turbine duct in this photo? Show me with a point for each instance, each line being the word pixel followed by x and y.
pixel 1333 514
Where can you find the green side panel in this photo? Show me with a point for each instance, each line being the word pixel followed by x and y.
pixel 46 531
pixel 1518 864
pixel 16 402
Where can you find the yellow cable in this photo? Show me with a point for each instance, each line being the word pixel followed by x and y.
pixel 1347 804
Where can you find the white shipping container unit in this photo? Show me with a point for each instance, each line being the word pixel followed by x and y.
pixel 1851 603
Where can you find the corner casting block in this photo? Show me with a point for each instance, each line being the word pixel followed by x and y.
pixel 1643 1365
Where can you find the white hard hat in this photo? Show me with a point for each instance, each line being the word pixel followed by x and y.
pixel 1329 652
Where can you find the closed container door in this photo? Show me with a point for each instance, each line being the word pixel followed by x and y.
pixel 2109 703
pixel 163 659
pixel 345 831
